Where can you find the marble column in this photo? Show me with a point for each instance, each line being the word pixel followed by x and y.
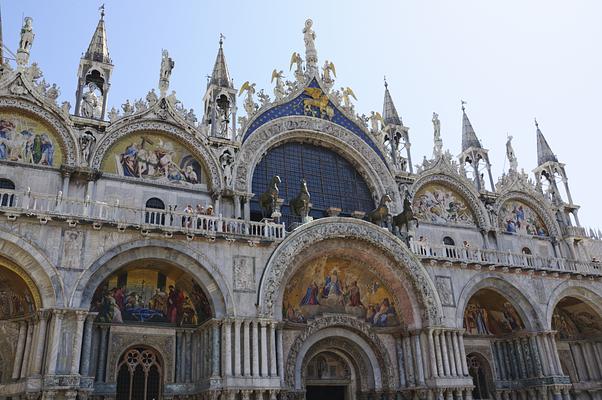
pixel 272 346
pixel 246 348
pixel 188 357
pixel 555 353
pixel 438 353
pixel 87 345
pixel 444 353
pixel 264 348
pixel 546 342
pixel 498 360
pixel 451 352
pixel 80 316
pixel 102 354
pixel 237 350
pixel 255 347
pixel 28 345
pixel 20 349
pixel 227 348
pixel 280 354
pixel 457 355
pixel 409 362
pixel 236 206
pixel 432 356
pixel 41 343
pixel 215 353
pixel 55 340
pixel 418 358
pixel 463 354
pixel 400 362
pixel 522 366
pixel 535 356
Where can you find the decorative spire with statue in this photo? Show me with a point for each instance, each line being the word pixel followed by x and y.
pixel 311 55
pixel 25 42
pixel 167 65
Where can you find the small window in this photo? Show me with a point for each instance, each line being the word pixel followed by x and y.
pixel 154 217
pixel 526 251
pixel 448 241
pixel 7 196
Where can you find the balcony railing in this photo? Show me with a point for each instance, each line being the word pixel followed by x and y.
pixel 505 259
pixel 146 219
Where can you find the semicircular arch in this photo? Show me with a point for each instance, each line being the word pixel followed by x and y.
pixel 574 289
pixel 527 311
pixel 464 190
pixel 189 141
pixel 322 133
pixel 62 128
pixel 536 204
pixel 415 289
pixel 192 262
pixel 35 268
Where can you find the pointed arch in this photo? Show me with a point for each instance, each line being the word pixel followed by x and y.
pixel 529 313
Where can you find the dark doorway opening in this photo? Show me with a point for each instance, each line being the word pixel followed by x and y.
pixel 325 392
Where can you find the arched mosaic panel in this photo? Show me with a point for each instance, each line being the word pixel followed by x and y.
pixel 573 319
pixel 338 285
pixel 517 217
pixel 489 313
pixel 153 156
pixel 439 204
pixel 16 299
pixel 154 293
pixel 28 140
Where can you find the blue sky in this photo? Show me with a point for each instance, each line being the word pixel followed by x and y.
pixel 510 60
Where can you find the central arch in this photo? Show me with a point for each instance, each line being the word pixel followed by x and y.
pixel 412 285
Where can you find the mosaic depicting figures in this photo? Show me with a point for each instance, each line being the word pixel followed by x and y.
pixel 440 205
pixel 574 319
pixel 26 140
pixel 15 298
pixel 488 313
pixel 150 296
pixel 153 157
pixel 337 285
pixel 517 217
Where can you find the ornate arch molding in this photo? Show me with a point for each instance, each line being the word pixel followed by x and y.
pixel 62 127
pixel 576 289
pixel 535 201
pixel 34 268
pixel 349 353
pixel 280 266
pixel 187 259
pixel 196 146
pixel 320 131
pixel 465 190
pixel 358 334
pixel 528 311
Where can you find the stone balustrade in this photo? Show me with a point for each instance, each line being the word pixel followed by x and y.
pixel 45 207
pixel 505 259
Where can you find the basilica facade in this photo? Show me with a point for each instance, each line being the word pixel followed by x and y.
pixel 278 246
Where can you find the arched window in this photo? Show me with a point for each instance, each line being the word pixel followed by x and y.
pixel 7 197
pixel 526 251
pixel 450 252
pixel 139 375
pixel 332 181
pixel 152 215
pixel 479 370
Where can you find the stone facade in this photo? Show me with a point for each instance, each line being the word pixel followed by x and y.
pixel 479 293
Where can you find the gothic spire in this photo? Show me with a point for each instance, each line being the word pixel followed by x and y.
pixel 220 76
pixel 469 137
pixel 390 115
pixel 544 152
pixel 98 49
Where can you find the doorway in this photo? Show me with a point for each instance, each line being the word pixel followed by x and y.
pixel 325 392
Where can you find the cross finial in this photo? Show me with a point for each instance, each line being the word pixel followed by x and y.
pixel 463 103
pixel 102 11
pixel 536 123
pixel 221 39
pixel 386 84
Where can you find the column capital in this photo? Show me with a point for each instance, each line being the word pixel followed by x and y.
pixel 81 315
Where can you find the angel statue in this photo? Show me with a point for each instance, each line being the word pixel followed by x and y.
pixel 167 65
pixel 296 59
pixel 279 90
pixel 346 93
pixel 374 119
pixel 327 69
pixel 309 37
pixel 250 106
pixel 511 156
pixel 25 42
